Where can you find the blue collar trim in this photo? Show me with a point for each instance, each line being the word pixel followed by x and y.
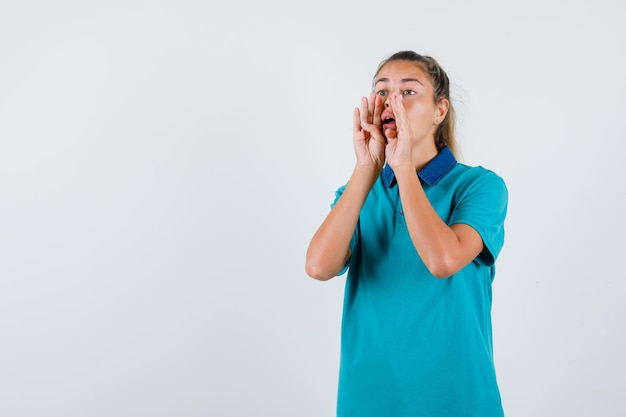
pixel 431 174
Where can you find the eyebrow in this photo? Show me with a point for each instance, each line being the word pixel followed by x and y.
pixel 404 80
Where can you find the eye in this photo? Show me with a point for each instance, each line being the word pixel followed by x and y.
pixel 408 92
pixel 381 93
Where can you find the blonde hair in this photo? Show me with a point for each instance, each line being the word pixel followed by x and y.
pixel 445 134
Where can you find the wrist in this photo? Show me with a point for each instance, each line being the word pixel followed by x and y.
pixel 404 171
pixel 367 173
pixel 402 167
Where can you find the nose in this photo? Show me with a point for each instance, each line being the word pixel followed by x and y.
pixel 386 102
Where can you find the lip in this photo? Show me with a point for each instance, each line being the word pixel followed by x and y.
pixel 390 123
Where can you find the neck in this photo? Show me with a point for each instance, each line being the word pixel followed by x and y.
pixel 423 155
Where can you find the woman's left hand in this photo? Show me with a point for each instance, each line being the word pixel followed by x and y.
pixel 398 149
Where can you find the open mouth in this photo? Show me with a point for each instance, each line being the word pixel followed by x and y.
pixel 389 122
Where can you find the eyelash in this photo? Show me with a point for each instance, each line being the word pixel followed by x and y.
pixel 383 93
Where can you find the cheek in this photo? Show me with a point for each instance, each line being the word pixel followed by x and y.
pixel 420 113
pixel 420 116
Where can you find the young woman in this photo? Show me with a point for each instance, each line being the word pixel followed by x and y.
pixel 418 233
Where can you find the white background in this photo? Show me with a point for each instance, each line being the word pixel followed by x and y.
pixel 164 164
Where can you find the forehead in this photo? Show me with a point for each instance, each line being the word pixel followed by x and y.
pixel 398 70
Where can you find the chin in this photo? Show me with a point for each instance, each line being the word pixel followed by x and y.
pixel 390 134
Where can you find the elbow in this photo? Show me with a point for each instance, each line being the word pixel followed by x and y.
pixel 324 265
pixel 441 268
pixel 316 271
pixel 441 274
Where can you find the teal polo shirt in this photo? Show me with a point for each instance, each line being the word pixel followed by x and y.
pixel 413 344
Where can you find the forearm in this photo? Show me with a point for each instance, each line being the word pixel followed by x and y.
pixel 329 249
pixel 443 249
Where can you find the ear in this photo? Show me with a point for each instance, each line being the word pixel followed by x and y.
pixel 441 110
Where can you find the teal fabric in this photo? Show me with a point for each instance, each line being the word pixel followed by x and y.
pixel 413 344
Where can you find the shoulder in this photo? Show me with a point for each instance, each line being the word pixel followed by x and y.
pixel 478 189
pixel 466 178
pixel 376 189
pixel 468 172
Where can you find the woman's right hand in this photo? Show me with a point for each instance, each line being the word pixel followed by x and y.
pixel 369 143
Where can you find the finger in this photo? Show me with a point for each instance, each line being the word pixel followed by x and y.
pixel 398 110
pixel 356 124
pixel 364 110
pixel 371 107
pixel 374 131
pixel 378 109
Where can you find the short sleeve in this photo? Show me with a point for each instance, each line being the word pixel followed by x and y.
pixel 355 235
pixel 483 206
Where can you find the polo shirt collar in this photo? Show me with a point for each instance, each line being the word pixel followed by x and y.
pixel 431 174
